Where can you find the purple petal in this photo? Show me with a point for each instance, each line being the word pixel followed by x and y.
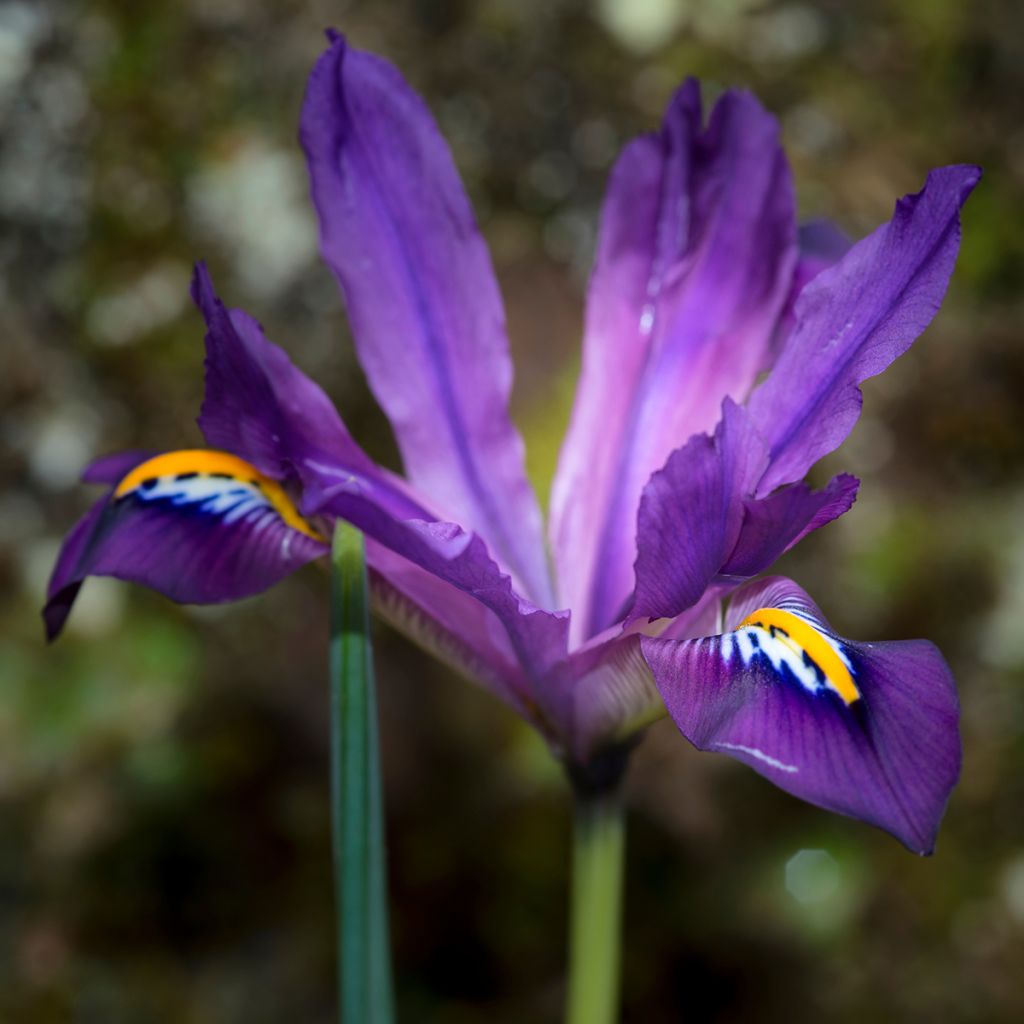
pixel 865 729
pixel 691 515
pixel 694 263
pixel 614 694
pixel 538 638
pixel 426 314
pixel 853 320
pixel 699 521
pixel 454 626
pixel 201 527
pixel 258 401
pixel 773 525
pixel 822 245
pixel 260 406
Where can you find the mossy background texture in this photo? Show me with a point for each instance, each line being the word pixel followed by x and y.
pixel 164 831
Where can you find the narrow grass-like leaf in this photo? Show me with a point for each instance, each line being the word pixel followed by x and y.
pixel 364 962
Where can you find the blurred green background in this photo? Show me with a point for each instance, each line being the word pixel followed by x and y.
pixel 164 839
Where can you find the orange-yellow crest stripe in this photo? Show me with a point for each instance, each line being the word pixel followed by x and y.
pixel 798 634
pixel 205 462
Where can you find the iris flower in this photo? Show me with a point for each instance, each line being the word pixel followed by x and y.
pixel 723 354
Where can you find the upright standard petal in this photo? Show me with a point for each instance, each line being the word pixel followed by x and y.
pixel 822 245
pixel 865 729
pixel 694 264
pixel 201 527
pixel 853 320
pixel 398 232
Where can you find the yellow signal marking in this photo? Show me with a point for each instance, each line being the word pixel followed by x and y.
pixel 206 462
pixel 801 636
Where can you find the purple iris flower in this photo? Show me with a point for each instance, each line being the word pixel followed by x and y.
pixel 723 356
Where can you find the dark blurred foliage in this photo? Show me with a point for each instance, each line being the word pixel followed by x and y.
pixel 163 806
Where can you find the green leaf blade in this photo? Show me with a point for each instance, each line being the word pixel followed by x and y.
pixel 364 961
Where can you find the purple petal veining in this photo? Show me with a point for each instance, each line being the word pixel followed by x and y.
pixel 694 262
pixel 398 232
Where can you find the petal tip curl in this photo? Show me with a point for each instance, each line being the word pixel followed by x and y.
pixel 56 611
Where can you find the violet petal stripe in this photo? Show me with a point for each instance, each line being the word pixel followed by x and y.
pixel 398 232
pixel 853 320
pixel 198 537
pixel 869 730
pixel 694 263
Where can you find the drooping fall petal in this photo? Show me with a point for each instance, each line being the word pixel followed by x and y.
pixel 865 729
pixel 425 311
pixel 201 527
pixel 694 263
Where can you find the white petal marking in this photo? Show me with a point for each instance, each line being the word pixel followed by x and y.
pixel 760 755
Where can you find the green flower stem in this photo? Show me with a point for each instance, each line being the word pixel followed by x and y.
pixel 364 962
pixel 596 917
